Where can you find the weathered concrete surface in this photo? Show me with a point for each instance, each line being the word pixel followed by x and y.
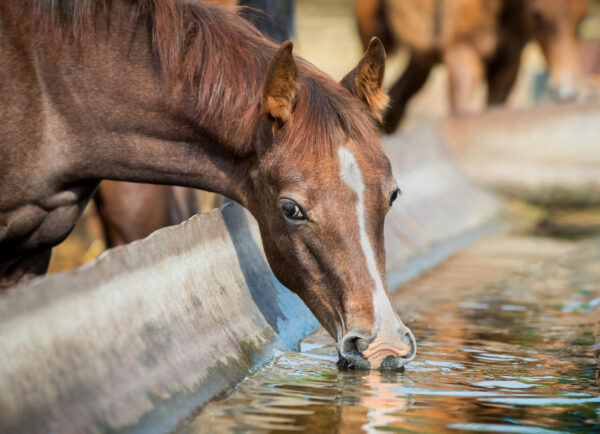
pixel 139 338
pixel 152 329
pixel 440 209
pixel 548 155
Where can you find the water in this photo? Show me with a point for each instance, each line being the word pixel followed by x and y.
pixel 505 333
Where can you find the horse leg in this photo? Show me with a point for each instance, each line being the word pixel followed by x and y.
pixel 183 204
pixel 103 199
pixel 502 72
pixel 24 268
pixel 274 18
pixel 465 72
pixel 412 80
pixel 371 20
pixel 131 211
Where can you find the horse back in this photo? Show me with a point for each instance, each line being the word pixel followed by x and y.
pixel 426 25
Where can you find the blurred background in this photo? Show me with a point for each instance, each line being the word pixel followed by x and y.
pixel 327 34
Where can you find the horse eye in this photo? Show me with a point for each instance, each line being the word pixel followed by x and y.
pixel 394 196
pixel 291 210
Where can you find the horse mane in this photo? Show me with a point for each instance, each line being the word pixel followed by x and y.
pixel 222 57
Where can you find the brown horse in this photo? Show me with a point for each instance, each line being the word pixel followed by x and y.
pixel 477 40
pixel 131 211
pixel 183 93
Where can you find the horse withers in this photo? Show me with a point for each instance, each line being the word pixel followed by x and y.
pixel 478 41
pixel 179 92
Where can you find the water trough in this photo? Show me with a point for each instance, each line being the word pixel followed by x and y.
pixel 549 156
pixel 139 338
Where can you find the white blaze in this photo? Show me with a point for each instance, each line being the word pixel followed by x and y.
pixel 352 176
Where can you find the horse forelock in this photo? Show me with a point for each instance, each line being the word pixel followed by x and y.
pixel 326 116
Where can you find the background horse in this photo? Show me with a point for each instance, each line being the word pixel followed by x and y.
pixel 477 40
pixel 131 211
pixel 183 93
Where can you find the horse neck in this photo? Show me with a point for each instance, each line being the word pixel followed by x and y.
pixel 130 126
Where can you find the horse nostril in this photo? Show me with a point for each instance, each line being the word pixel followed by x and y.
pixel 351 348
pixel 351 344
pixel 355 344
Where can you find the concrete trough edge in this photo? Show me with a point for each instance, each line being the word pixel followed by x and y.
pixel 141 337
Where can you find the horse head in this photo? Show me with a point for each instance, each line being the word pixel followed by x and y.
pixel 322 189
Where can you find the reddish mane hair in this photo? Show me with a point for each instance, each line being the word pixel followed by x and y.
pixel 223 59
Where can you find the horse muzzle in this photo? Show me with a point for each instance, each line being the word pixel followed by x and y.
pixel 386 350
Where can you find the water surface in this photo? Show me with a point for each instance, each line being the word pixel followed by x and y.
pixel 505 333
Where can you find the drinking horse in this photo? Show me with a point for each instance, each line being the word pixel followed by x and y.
pixel 179 92
pixel 477 40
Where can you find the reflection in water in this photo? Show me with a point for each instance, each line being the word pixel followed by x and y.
pixel 505 345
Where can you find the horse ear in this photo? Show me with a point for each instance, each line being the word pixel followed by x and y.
pixel 366 79
pixel 281 86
